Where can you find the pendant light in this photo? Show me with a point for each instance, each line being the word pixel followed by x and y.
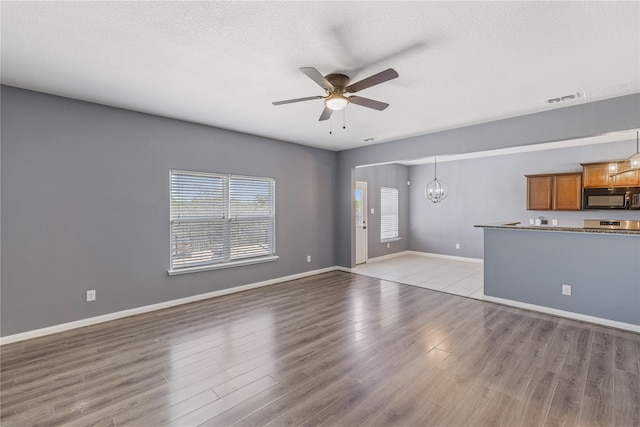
pixel 435 191
pixel 633 162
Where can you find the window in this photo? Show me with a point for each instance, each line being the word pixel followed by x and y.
pixel 220 220
pixel 388 214
pixel 359 207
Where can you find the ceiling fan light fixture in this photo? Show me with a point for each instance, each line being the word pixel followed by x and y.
pixel 337 85
pixel 336 101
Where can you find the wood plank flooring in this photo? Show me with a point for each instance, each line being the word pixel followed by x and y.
pixel 336 349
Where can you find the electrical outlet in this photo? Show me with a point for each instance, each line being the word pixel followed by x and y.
pixel 531 221
pixel 566 289
pixel 91 295
pixel 388 245
pixel 457 245
pixel 308 258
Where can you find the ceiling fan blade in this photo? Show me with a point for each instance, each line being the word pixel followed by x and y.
pixel 370 103
pixel 315 75
pixel 289 101
pixel 376 79
pixel 326 114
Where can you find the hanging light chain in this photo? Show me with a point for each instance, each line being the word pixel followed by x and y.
pixel 435 191
pixel 344 121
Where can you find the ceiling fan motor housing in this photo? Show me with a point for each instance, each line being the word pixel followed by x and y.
pixel 335 99
pixel 339 82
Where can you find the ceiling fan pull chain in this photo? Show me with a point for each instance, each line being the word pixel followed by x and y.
pixel 330 122
pixel 344 118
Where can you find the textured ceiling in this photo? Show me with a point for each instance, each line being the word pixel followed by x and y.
pixel 223 63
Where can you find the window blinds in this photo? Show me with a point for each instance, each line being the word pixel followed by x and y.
pixel 217 219
pixel 388 213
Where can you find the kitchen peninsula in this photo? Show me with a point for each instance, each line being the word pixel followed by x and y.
pixel 527 266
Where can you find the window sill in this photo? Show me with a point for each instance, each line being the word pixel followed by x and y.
pixel 392 239
pixel 220 266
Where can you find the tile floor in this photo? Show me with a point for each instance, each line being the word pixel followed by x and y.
pixel 441 274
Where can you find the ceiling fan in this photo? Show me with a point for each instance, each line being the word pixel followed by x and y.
pixel 337 86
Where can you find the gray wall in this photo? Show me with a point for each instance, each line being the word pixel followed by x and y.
pixel 394 176
pixel 594 118
pixel 493 189
pixel 85 205
pixel 85 198
pixel 532 266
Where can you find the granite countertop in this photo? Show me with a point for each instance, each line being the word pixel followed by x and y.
pixel 519 226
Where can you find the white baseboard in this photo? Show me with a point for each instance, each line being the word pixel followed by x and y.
pixel 389 256
pixel 425 254
pixel 451 257
pixel 153 307
pixel 568 314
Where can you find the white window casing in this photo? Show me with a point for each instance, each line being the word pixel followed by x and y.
pixel 220 220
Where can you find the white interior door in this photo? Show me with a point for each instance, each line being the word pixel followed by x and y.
pixel 360 200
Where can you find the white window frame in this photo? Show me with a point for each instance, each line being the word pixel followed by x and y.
pixel 224 216
pixel 389 214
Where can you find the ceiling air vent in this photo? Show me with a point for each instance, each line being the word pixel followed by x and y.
pixel 564 98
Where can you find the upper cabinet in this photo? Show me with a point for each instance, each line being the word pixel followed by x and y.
pixel 561 192
pixel 539 192
pixel 598 175
pixel 568 192
pixel 626 179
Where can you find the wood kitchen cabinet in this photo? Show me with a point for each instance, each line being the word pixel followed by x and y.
pixel 568 192
pixel 626 179
pixel 598 175
pixel 561 192
pixel 539 192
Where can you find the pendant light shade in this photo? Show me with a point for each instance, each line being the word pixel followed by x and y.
pixel 435 191
pixel 632 163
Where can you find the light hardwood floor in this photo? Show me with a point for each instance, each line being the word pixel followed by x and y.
pixel 336 349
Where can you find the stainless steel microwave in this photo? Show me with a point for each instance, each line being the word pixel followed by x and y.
pixel 611 198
